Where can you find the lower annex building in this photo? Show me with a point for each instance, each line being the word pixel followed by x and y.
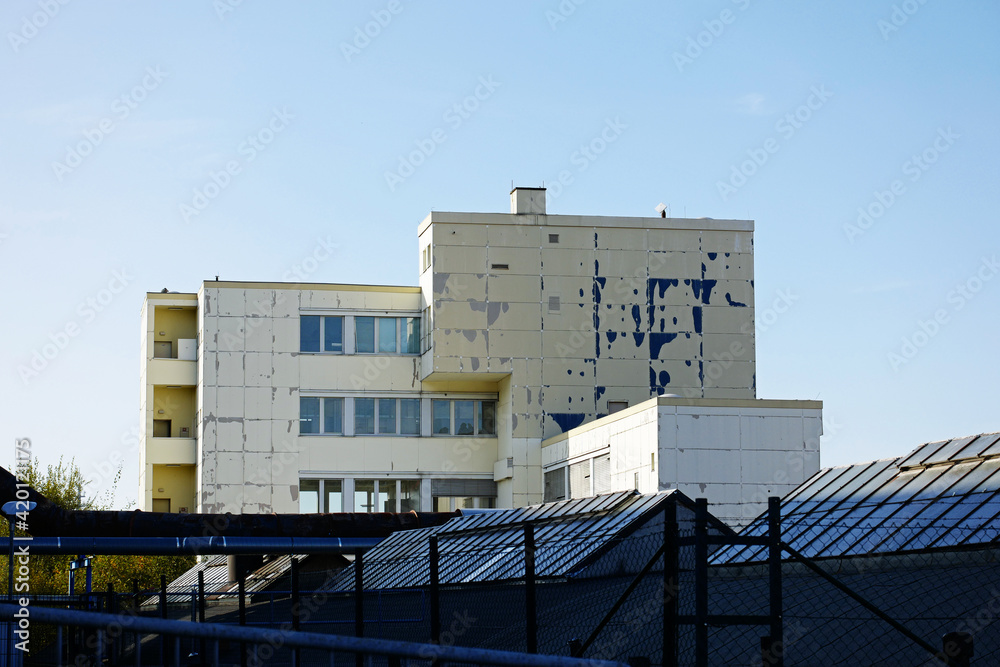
pixel 540 357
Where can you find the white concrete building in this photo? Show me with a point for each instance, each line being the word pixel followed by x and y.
pixel 327 397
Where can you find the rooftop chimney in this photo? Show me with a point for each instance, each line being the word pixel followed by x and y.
pixel 527 200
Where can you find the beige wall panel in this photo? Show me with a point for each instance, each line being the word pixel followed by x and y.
pixel 257 435
pixel 285 432
pixel 581 238
pixel 620 372
pixel 500 364
pixel 231 334
pixel 726 319
pixel 566 398
pixel 286 334
pixel 568 288
pixel 515 236
pixel 629 289
pixel 668 294
pixel 676 264
pixel 569 317
pixel 229 437
pixel 520 261
pixel 736 291
pixel 512 316
pixel 735 266
pixel 257 371
pixel 733 375
pixel 557 371
pixel 514 288
pixel 687 240
pixel 259 302
pixel 257 402
pixel 330 453
pixel 681 374
pixel 460 235
pixel 526 425
pixel 232 302
pixel 231 401
pixel 284 370
pixel 567 345
pixel 527 372
pixel 686 347
pixel 515 344
pixel 622 345
pixel 567 262
pixel 452 259
pixel 327 299
pixel 620 317
pixel 621 262
pixel 728 347
pixel 621 239
pixel 458 315
pixel 287 302
pixel 460 286
pixel 460 343
pixel 323 372
pixel 259 334
pixel 719 241
pixel 229 369
pixel 230 470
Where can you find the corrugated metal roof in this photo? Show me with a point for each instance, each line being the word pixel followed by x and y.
pixel 489 546
pixel 943 494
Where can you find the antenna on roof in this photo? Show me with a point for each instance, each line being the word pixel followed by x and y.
pixel 662 208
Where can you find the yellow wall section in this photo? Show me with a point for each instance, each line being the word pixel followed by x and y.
pixel 178 406
pixel 177 483
pixel 175 324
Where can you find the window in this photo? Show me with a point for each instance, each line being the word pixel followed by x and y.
pixel 555 485
pixel 386 416
pixel 409 416
pixel 364 335
pixel 318 415
pixel 616 406
pixel 309 415
pixel 386 495
pixel 409 335
pixel 364 416
pixel 452 503
pixel 321 495
pixel 464 417
pixel 321 333
pixel 387 335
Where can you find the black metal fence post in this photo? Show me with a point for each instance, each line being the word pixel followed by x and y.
pixel 359 602
pixel 241 588
pixel 435 592
pixel 531 610
pixel 163 614
pixel 777 648
pixel 112 645
pixel 295 606
pixel 701 581
pixel 201 616
pixel 671 583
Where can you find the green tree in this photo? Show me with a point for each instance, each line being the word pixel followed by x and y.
pixel 64 484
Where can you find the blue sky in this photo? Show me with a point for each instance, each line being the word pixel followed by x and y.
pixel 119 122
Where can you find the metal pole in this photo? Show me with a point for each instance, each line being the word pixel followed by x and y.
pixel 359 602
pixel 701 581
pixel 241 588
pixel 295 606
pixel 109 640
pixel 530 605
pixel 777 648
pixel 201 615
pixel 163 614
pixel 435 592
pixel 671 583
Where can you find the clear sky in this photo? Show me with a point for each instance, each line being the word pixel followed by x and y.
pixel 150 145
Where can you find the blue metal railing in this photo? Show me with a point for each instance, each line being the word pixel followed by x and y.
pixel 275 639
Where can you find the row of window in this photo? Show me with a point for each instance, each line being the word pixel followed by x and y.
pixel 372 335
pixel 379 495
pixel 395 416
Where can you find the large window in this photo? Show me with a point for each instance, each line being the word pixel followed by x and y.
pixel 321 495
pixel 464 417
pixel 386 495
pixel 372 416
pixel 321 415
pixel 321 333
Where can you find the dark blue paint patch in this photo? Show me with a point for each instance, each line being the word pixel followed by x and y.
pixel 639 337
pixel 599 284
pixel 598 392
pixel 597 267
pixel 566 420
pixel 635 291
pixel 658 340
pixel 675 320
pixel 664 378
pixel 581 291
pixel 701 373
pixel 702 289
pixel 569 371
pixel 687 362
pixel 730 301
pixel 660 285
pixel 696 314
pixel 570 399
pixel 703 269
pixel 652 380
pixel 712 255
pixel 612 335
pixel 637 317
pixel 663 324
pixel 581 373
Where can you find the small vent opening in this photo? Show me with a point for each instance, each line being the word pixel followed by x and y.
pixel 500 267
pixel 553 238
pixel 553 304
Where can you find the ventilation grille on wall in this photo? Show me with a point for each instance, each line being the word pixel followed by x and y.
pixel 553 238
pixel 499 267
pixel 553 304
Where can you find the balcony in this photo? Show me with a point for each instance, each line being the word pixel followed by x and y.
pixel 178 372
pixel 172 451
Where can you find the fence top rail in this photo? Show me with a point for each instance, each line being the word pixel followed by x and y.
pixel 308 640
pixel 168 546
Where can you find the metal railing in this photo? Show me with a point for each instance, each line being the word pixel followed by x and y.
pixel 270 640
